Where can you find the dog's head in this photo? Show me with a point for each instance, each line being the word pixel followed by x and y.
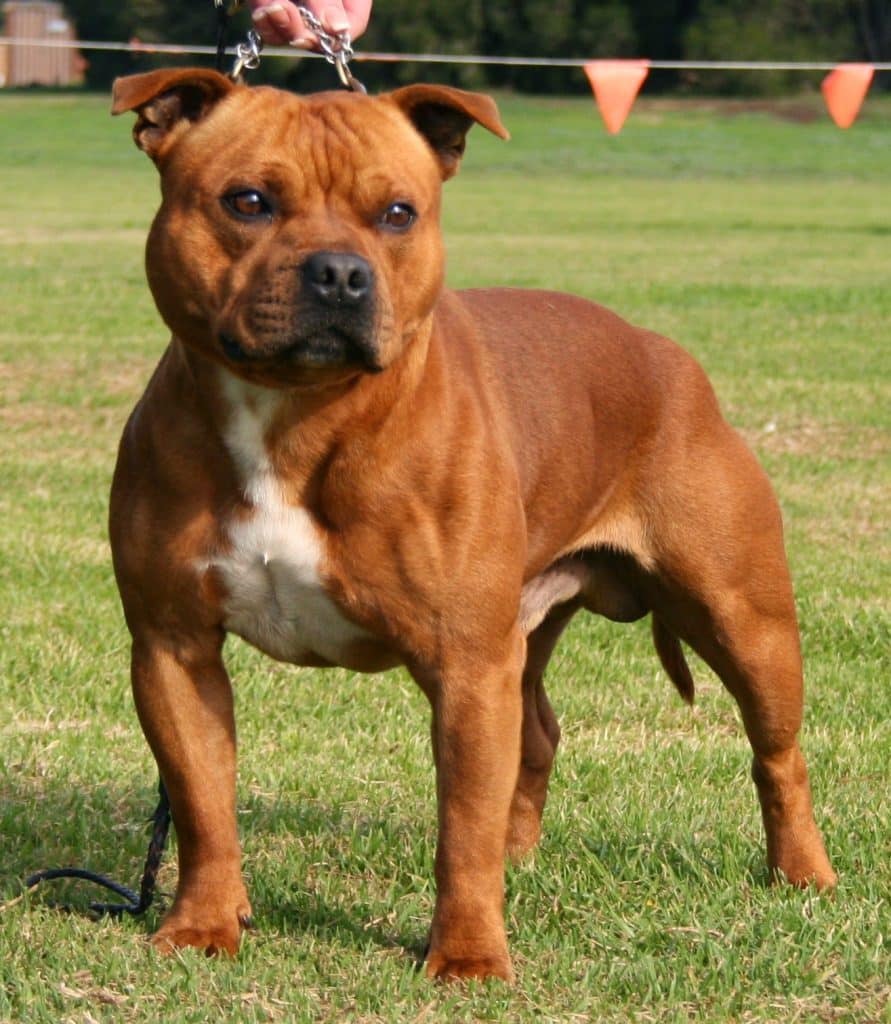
pixel 298 238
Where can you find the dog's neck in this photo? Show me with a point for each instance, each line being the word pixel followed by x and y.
pixel 301 426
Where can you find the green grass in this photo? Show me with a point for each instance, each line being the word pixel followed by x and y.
pixel 758 242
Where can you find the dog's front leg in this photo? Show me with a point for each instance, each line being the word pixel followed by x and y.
pixel 184 701
pixel 477 715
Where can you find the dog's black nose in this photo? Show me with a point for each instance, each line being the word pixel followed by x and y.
pixel 338 278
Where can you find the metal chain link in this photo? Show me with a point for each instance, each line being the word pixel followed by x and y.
pixel 247 54
pixel 336 48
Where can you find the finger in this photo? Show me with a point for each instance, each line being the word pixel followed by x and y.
pixel 333 18
pixel 278 23
pixel 358 13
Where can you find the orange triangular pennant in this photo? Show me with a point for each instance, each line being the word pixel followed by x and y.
pixel 616 84
pixel 844 90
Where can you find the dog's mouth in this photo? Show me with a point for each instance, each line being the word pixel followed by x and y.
pixel 329 348
pixel 332 347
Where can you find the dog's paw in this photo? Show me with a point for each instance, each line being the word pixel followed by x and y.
pixel 442 968
pixel 523 826
pixel 523 835
pixel 820 877
pixel 798 857
pixel 179 930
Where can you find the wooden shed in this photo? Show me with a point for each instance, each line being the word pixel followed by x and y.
pixel 24 64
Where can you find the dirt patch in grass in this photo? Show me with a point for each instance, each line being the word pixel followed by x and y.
pixel 40 423
pixel 811 437
pixel 31 235
pixel 854 511
pixel 118 377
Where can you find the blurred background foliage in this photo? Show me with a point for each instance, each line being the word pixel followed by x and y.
pixel 831 30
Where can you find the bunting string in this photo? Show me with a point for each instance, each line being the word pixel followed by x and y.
pixel 615 83
pixel 137 47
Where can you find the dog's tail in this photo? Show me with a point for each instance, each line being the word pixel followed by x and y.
pixel 668 647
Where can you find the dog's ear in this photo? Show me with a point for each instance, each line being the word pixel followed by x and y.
pixel 167 102
pixel 444 116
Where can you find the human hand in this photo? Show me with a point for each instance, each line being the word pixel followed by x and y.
pixel 279 22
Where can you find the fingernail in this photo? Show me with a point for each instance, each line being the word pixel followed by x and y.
pixel 263 12
pixel 301 44
pixel 334 19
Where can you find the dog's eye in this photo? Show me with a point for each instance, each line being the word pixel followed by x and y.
pixel 247 204
pixel 399 216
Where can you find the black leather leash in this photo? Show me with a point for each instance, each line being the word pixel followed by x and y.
pixel 135 903
pixel 337 51
pixel 222 30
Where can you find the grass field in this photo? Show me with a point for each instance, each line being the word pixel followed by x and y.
pixel 760 243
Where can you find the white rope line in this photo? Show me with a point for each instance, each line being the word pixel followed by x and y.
pixel 446 58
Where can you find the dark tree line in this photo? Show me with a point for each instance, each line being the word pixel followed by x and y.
pixel 658 29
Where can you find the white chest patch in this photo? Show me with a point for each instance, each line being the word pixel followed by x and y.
pixel 275 599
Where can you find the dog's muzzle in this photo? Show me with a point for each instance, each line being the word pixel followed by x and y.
pixel 323 318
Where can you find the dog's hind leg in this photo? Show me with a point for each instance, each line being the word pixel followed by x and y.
pixel 726 591
pixel 756 654
pixel 541 734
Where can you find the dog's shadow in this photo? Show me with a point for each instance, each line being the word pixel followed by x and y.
pixel 305 905
pixel 674 860
pixel 105 830
pixel 342 925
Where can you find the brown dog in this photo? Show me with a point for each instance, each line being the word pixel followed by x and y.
pixel 347 464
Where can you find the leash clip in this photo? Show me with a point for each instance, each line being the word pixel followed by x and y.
pixel 247 55
pixel 336 49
